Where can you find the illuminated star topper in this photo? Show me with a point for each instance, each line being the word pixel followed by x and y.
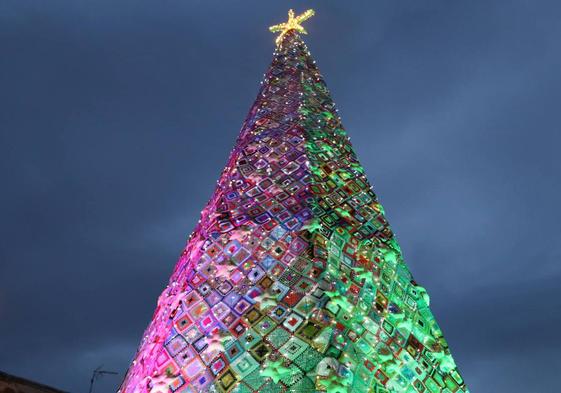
pixel 293 23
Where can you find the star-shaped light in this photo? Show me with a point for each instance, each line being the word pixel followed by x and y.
pixel 293 23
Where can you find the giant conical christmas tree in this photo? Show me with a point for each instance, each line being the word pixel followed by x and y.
pixel 293 281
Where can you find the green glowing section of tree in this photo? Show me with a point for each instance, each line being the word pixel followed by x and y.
pixel 293 281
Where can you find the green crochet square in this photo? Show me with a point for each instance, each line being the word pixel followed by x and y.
pixel 255 380
pixel 304 385
pixel 278 337
pixel 308 360
pixel 294 376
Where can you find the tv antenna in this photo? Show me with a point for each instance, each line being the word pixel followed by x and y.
pixel 98 373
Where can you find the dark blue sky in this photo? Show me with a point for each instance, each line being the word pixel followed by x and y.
pixel 117 116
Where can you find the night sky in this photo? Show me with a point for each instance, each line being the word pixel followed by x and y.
pixel 117 117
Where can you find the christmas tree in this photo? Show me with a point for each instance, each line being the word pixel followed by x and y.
pixel 293 281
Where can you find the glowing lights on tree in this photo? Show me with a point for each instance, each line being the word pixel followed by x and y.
pixel 292 280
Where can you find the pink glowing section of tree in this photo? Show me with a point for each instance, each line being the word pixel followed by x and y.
pixel 292 279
